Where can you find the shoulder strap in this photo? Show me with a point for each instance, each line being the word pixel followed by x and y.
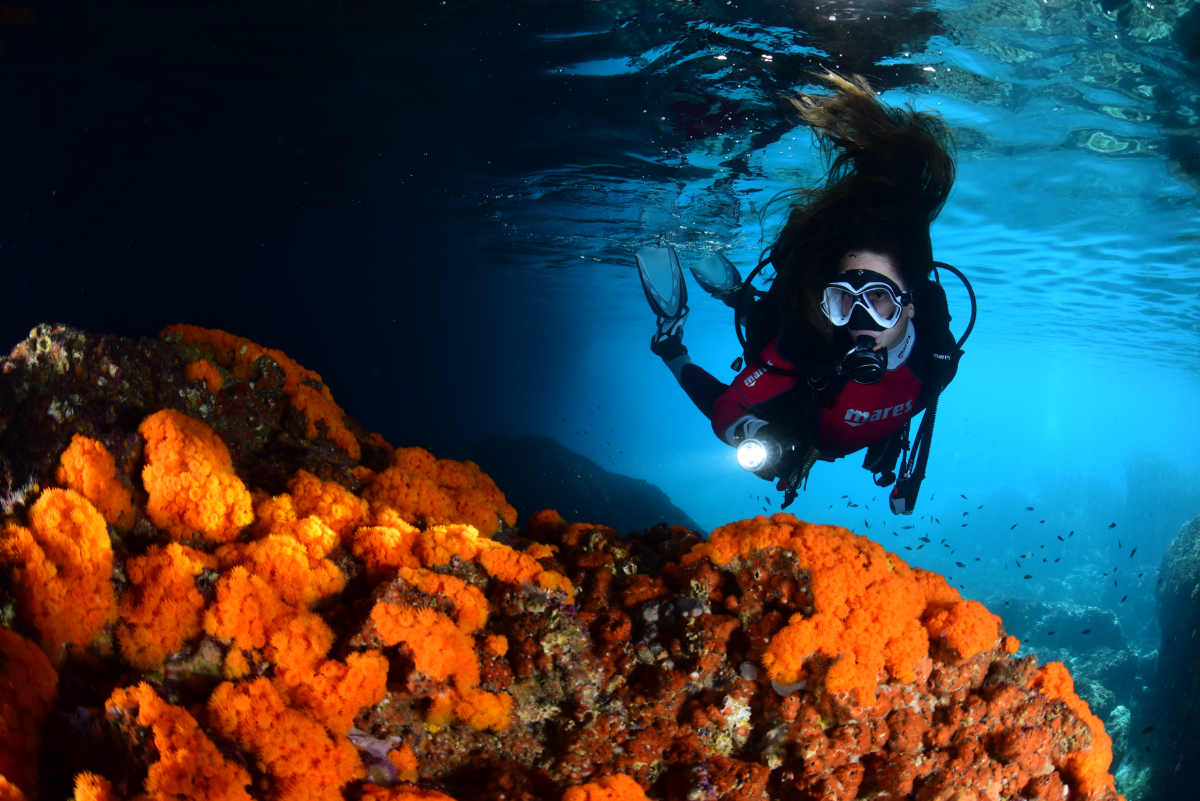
pixel 945 355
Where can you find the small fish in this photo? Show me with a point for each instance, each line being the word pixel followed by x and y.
pixel 768 500
pixel 844 497
pixel 1014 525
pixel 1114 582
pixel 1147 730
pixel 1045 560
pixel 976 558
pixel 966 514
pixel 1060 537
pixel 1049 632
pixel 964 497
pixel 1072 534
pixel 764 508
pixel 1126 598
pixel 964 525
pixel 1147 749
pixel 1112 525
pixel 908 547
pixel 1131 553
pixel 905 527
pixel 1041 521
pixel 923 539
pixel 1141 574
pixel 1087 631
pixel 1006 603
pixel 854 506
pixel 868 523
pixel 1058 558
pixel 831 506
pixel 1028 576
pixel 1159 582
pixel 939 522
pixel 1028 508
pixel 1119 543
pixel 981 506
pixel 959 564
pixel 931 496
pixel 1018 562
pixel 919 547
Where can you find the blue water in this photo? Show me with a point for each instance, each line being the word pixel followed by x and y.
pixel 435 205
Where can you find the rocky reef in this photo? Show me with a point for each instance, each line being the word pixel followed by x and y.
pixel 1163 763
pixel 216 584
pixel 538 472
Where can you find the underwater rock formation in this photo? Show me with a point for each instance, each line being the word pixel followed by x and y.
pixel 538 472
pixel 1105 668
pixel 216 585
pixel 1162 733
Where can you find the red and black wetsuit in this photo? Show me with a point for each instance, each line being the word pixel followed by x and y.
pixel 841 420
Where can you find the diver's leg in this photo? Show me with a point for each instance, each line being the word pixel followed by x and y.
pixel 697 382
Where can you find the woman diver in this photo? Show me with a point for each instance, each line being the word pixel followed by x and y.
pixel 853 338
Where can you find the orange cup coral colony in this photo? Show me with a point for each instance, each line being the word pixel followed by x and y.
pixel 241 598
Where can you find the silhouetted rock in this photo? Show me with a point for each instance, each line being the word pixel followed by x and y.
pixel 537 472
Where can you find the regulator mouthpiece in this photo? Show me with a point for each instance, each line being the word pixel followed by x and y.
pixel 755 454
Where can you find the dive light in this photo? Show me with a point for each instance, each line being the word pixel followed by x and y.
pixel 763 453
pixel 755 454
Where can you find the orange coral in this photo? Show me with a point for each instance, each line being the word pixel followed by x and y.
pixel 189 476
pixel 385 549
pixel 439 544
pixel 338 507
pixel 206 371
pixel 28 686
pixel 546 524
pixel 163 609
pixel 438 646
pixel 189 764
pixel 430 491
pixel 967 627
pixel 406 763
pixel 1012 644
pixel 304 761
pixel 1088 769
pixel 336 692
pixel 469 602
pixel 87 467
pixel 62 569
pixel 9 791
pixel 90 787
pixel 441 650
pixel 238 354
pixel 247 611
pixel 869 605
pixel 287 566
pixel 617 787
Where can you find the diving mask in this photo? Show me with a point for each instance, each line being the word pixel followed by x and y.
pixel 864 300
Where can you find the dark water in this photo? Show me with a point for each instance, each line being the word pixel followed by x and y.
pixel 435 206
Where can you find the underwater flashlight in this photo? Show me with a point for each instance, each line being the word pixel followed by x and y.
pixel 760 453
pixel 755 454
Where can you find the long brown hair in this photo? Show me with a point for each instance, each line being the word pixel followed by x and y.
pixel 890 172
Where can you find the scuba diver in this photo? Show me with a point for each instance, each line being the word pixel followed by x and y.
pixel 852 340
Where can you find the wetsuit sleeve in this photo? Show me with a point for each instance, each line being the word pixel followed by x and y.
pixel 753 389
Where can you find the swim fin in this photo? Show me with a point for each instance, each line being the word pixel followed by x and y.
pixel 718 276
pixel 662 280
